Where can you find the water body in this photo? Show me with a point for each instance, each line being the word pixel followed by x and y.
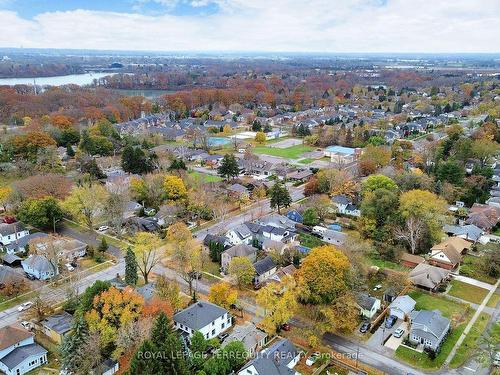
pixel 76 79
pixel 218 141
pixel 149 94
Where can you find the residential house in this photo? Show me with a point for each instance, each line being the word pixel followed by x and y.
pixel 40 267
pixel 428 328
pixel 209 319
pixel 272 245
pixel 300 176
pixel 294 215
pixel 166 215
pixel 8 276
pixel 11 260
pixel 342 155
pixel 333 237
pixel 57 326
pixel 11 232
pixel 278 359
pixel 20 245
pixel 240 235
pixel 345 206
pixel 277 220
pixel 469 232
pixel 410 260
pixel 132 208
pixel 494 202
pixel 252 338
pixel 483 216
pixel 108 367
pixel 238 191
pixel 448 253
pixel 428 277
pixel 264 268
pixel 241 250
pixel 283 273
pixel 368 305
pixel 67 249
pixel 19 353
pixel 402 306
pixel 147 291
pixel 214 239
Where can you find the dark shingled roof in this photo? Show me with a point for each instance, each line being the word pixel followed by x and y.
pixel 199 315
pixel 264 265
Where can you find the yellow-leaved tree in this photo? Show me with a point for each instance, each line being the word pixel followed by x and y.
pixel 223 294
pixel 147 252
pixel 86 203
pixel 175 190
pixel 5 193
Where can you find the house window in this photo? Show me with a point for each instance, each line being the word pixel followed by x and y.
pixel 213 332
pixel 222 325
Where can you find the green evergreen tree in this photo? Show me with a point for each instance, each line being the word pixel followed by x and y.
pixel 280 197
pixel 131 276
pixel 146 361
pixel 69 151
pixel 198 346
pixel 70 359
pixel 103 246
pixel 229 167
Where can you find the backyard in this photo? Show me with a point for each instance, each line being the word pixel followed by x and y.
pixel 449 308
pixel 310 241
pixel 205 177
pixel 467 292
pixel 473 266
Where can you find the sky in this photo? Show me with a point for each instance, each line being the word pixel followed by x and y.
pixel 413 26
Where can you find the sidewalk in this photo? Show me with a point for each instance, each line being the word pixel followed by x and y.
pixel 471 323
pixel 475 282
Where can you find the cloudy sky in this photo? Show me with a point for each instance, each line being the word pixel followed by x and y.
pixel 253 25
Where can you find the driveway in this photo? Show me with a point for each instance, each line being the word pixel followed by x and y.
pixel 381 334
pixel 394 342
pixel 475 282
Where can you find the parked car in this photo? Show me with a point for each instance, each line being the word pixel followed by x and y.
pixel 195 275
pixel 312 359
pixel 285 327
pixel 223 336
pixel 496 360
pixel 25 306
pixel 102 228
pixel 149 211
pixel 365 327
pixel 390 321
pixel 30 276
pixel 398 333
pixel 69 267
pixel 27 325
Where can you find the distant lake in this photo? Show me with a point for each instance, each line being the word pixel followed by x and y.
pixel 75 79
pixel 149 94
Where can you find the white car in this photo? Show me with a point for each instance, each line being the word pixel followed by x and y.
pixel 69 267
pixel 27 325
pixel 102 228
pixel 398 333
pixel 312 359
pixel 25 306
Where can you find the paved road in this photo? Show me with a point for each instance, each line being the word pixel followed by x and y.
pixel 58 294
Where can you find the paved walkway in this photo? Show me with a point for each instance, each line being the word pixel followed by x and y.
pixel 475 282
pixel 471 323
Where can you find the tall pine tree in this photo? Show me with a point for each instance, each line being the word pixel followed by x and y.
pixel 70 359
pixel 130 267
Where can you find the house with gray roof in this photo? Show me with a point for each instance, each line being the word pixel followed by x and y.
pixel 240 235
pixel 12 232
pixel 241 250
pixel 209 319
pixel 57 326
pixel 278 359
pixel 428 277
pixel 368 305
pixel 469 232
pixel 252 338
pixel 20 245
pixel 19 353
pixel 40 267
pixel 264 268
pixel 428 328
pixel 402 306
pixel 147 291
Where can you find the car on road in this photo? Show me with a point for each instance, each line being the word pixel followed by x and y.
pixel 390 321
pixel 398 333
pixel 195 275
pixel 285 327
pixel 312 359
pixel 103 228
pixel 365 327
pixel 25 306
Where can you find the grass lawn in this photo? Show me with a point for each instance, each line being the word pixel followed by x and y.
pixel 470 342
pixel 448 308
pixel 382 263
pixel 309 240
pixel 496 231
pixel 292 152
pixel 467 292
pixel 206 177
pixel 493 301
pixel 473 267
pixel 306 161
pixel 422 360
pixel 7 303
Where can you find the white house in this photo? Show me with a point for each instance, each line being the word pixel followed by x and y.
pixel 240 235
pixel 368 305
pixel 39 267
pixel 209 319
pixel 428 328
pixel 278 359
pixel 12 232
pixel 345 206
pixel 264 268
pixel 19 353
